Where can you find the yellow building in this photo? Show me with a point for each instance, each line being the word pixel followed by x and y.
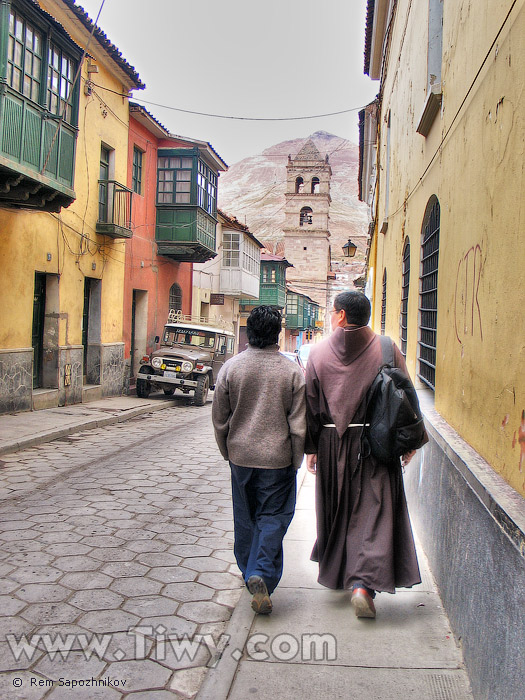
pixel 442 154
pixel 64 214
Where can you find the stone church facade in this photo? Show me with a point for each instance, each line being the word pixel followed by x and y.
pixel 306 227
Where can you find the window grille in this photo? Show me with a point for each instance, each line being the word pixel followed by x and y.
pixel 175 301
pixel 428 294
pixel 403 321
pixel 383 305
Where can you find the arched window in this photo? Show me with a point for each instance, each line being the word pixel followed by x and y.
pixel 383 304
pixel 315 185
pixel 428 293
pixel 403 317
pixel 175 301
pixel 305 216
pixel 299 185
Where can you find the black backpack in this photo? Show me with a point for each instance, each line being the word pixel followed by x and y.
pixel 393 424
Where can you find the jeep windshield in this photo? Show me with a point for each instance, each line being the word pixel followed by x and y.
pixel 182 336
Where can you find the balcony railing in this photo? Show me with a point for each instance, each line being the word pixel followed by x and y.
pixel 114 209
pixel 37 155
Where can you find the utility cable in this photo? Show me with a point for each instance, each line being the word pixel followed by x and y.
pixel 229 116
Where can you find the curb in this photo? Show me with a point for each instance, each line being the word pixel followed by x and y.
pixel 51 435
pixel 219 680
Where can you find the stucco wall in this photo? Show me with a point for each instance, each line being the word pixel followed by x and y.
pixel 66 245
pixel 477 175
pixel 144 269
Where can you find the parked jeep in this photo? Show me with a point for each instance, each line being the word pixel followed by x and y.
pixel 189 358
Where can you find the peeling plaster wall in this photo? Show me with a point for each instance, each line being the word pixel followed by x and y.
pixel 67 247
pixel 478 176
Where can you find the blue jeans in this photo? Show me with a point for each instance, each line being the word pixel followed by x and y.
pixel 263 507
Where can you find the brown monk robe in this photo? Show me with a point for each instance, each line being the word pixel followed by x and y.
pixel 363 530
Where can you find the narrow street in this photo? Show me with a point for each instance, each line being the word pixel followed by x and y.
pixel 118 580
pixel 112 541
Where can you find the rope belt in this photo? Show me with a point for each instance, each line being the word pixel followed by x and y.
pixel 350 425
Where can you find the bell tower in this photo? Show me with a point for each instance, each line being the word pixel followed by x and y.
pixel 306 234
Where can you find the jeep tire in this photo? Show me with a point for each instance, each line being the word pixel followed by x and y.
pixel 201 390
pixel 143 387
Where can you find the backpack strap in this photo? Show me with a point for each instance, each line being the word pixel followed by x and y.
pixel 387 348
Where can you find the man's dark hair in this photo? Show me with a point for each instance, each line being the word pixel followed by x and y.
pixel 263 326
pixel 355 305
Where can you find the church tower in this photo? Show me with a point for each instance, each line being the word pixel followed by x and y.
pixel 306 234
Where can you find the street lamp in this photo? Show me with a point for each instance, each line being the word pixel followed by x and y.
pixel 349 249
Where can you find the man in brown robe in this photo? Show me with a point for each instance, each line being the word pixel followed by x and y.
pixel 364 538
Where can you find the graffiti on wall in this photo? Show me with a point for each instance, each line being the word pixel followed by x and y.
pixel 519 439
pixel 467 311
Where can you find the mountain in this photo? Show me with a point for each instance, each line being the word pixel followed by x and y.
pixel 253 191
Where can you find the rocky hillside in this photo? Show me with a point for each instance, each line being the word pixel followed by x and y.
pixel 253 191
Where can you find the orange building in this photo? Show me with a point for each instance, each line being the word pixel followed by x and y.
pixel 174 184
pixel 153 283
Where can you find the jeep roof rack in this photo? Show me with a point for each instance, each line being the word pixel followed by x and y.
pixel 216 323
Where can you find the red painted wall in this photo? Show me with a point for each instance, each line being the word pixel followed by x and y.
pixel 145 270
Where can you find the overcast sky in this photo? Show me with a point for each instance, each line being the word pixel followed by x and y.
pixel 275 58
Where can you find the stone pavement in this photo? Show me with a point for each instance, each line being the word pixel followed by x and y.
pixel 120 538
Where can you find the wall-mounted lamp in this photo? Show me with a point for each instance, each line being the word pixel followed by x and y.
pixel 349 249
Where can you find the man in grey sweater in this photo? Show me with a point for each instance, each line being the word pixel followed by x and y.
pixel 259 420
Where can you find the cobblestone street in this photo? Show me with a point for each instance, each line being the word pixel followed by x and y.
pixel 109 530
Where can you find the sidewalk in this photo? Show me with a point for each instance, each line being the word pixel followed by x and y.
pixel 29 428
pixel 313 646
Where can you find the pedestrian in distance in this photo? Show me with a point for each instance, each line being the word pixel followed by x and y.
pixel 364 538
pixel 259 418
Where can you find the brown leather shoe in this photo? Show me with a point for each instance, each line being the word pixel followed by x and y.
pixel 362 603
pixel 261 602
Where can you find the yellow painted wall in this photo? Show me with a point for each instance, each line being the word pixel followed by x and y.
pixel 27 237
pixel 478 176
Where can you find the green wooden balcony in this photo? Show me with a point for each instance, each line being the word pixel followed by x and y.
pixel 271 293
pixel 37 155
pixel 295 305
pixel 114 210
pixel 185 233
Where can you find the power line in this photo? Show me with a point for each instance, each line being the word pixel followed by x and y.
pixel 229 116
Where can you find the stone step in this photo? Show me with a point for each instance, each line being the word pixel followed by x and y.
pixel 91 392
pixel 45 398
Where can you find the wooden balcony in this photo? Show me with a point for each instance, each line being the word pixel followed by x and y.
pixel 185 234
pixel 114 210
pixel 37 155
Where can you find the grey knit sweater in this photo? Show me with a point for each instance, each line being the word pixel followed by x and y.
pixel 259 413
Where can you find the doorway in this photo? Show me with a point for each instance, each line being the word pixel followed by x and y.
pixel 91 330
pixel 39 311
pixel 139 328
